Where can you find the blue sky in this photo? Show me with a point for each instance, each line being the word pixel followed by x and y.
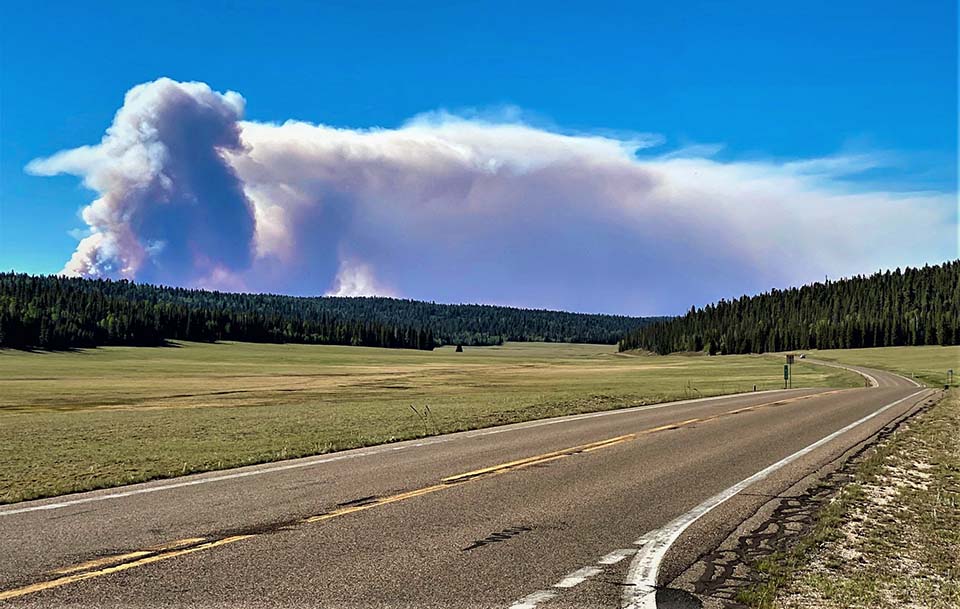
pixel 775 81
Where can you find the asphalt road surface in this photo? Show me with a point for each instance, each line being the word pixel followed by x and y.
pixel 586 511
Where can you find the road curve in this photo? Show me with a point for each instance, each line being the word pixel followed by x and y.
pixel 557 513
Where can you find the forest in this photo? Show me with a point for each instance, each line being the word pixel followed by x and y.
pixel 474 324
pixel 891 308
pixel 54 312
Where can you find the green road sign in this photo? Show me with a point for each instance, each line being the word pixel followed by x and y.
pixel 786 372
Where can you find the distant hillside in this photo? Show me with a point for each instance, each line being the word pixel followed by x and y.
pixel 910 307
pixel 51 312
pixel 472 324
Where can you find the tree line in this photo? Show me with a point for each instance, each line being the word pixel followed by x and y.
pixel 53 312
pixel 474 324
pixel 892 308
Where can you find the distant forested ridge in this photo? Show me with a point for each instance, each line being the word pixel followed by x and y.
pixel 910 307
pixel 473 324
pixel 52 312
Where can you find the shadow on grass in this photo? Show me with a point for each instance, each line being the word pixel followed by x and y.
pixel 165 344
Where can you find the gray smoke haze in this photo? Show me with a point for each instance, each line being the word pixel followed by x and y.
pixel 453 209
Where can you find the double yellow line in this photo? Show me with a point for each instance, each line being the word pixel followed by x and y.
pixel 122 562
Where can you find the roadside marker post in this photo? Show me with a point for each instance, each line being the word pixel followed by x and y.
pixel 788 371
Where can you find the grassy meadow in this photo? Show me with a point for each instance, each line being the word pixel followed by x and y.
pixel 93 418
pixel 928 364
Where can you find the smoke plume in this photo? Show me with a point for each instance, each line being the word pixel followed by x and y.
pixel 455 209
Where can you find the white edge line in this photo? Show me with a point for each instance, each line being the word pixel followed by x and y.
pixel 616 556
pixel 573 579
pixel 378 450
pixel 640 592
pixel 873 381
pixel 531 600
pixel 578 577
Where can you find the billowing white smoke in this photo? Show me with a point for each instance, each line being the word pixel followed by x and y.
pixel 171 208
pixel 451 209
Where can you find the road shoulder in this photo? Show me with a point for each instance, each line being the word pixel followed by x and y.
pixel 879 527
pixel 891 538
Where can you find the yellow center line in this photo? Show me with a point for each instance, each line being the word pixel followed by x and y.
pixel 533 460
pixel 383 501
pixel 112 560
pixel 101 562
pixel 175 549
pixel 70 579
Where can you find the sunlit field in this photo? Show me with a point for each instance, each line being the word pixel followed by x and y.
pixel 102 417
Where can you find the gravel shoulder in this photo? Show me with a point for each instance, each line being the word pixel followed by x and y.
pixel 889 537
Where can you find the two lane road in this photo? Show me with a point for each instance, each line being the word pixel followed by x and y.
pixel 583 511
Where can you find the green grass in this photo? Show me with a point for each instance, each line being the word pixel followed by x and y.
pixel 928 364
pixel 109 416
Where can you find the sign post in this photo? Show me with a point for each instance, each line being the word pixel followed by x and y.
pixel 950 376
pixel 788 371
